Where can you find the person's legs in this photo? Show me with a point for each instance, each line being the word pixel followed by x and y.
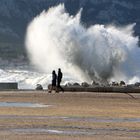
pixel 59 87
pixel 53 86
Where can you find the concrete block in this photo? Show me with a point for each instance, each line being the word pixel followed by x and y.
pixel 8 86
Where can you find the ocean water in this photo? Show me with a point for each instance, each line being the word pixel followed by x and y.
pixel 55 39
pixel 28 77
pixel 25 77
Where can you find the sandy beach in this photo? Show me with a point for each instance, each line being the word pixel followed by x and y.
pixel 39 115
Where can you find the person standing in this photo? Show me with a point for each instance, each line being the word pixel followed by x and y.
pixel 54 79
pixel 59 79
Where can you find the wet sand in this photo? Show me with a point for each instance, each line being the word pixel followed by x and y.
pixel 39 115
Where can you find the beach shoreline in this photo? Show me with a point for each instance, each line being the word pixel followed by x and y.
pixel 70 115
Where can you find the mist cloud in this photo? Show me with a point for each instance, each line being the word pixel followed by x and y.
pixel 55 39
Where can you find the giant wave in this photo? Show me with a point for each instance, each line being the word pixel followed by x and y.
pixel 98 53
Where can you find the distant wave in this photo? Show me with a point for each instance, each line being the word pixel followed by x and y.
pixel 26 79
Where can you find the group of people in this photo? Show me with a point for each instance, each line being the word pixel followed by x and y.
pixel 56 80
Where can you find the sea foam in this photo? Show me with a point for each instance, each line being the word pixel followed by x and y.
pixel 55 39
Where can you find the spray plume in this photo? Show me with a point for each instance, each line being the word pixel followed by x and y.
pixel 55 39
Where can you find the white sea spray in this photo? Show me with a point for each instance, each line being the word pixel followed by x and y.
pixel 56 39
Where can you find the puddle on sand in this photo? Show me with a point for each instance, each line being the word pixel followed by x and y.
pixel 73 132
pixel 21 104
pixel 103 120
pixel 72 119
pixel 54 131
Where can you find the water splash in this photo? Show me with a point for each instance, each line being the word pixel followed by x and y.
pixel 56 39
pixel 26 79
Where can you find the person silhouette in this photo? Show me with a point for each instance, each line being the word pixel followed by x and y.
pixel 54 79
pixel 59 79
